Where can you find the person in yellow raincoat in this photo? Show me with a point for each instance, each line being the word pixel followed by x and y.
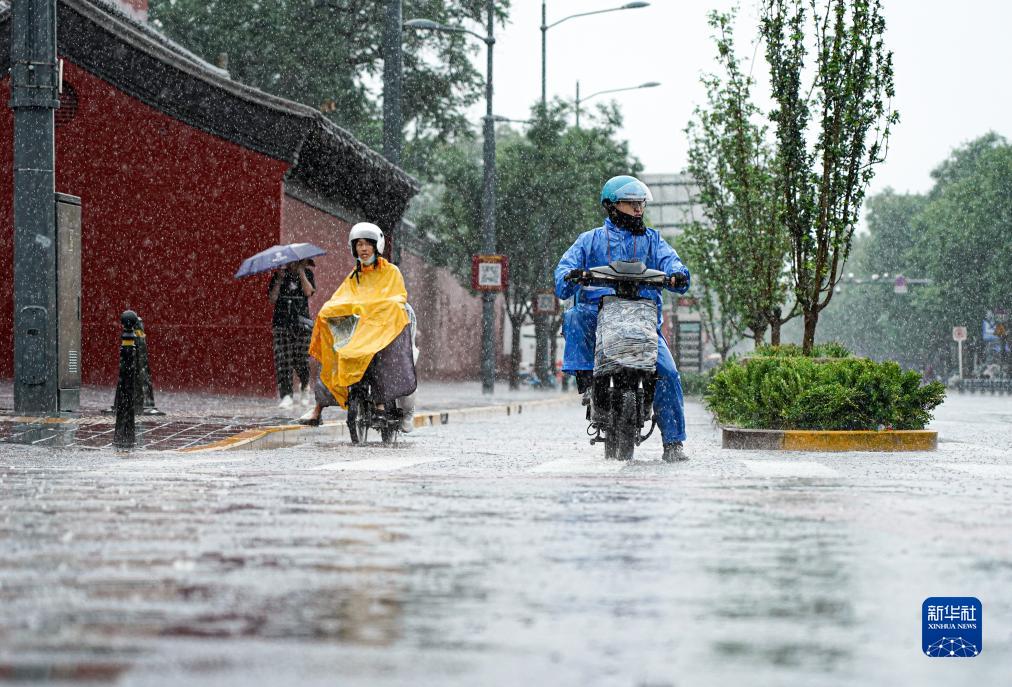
pixel 362 332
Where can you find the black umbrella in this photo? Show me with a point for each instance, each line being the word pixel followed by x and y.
pixel 277 256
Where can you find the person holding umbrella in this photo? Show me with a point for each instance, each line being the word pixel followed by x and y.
pixel 291 285
pixel 289 291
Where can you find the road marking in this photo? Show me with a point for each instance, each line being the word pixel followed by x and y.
pixel 173 461
pixel 789 468
pixel 981 469
pixel 576 466
pixel 384 464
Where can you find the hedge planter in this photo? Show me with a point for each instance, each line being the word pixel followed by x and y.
pixel 815 440
pixel 831 401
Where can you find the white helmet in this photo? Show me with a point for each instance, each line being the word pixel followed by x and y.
pixel 366 230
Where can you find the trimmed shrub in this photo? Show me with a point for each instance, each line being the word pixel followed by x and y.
pixel 795 392
pixel 695 383
pixel 830 349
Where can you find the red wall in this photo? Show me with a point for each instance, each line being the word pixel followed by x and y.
pixel 449 321
pixel 168 214
pixel 303 223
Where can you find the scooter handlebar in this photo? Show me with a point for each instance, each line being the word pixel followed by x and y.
pixel 591 280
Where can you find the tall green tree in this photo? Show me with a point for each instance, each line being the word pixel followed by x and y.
pixel 740 252
pixel 956 236
pixel 329 54
pixel 714 301
pixel 964 241
pixel 832 119
pixel 547 187
pixel 868 316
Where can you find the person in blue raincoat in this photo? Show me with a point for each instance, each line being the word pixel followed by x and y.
pixel 623 237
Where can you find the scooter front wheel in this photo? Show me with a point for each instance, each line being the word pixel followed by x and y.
pixel 358 420
pixel 610 445
pixel 626 427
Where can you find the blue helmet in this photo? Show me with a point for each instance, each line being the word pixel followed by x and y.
pixel 624 187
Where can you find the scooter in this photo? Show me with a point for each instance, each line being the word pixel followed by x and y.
pixel 362 416
pixel 625 357
pixel 390 375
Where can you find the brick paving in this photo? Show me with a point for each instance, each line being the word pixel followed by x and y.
pixel 196 419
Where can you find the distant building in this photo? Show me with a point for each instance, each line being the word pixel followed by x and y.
pixel 675 204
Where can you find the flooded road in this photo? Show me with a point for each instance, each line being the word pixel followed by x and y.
pixel 506 551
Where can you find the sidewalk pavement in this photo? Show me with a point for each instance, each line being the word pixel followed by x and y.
pixel 192 420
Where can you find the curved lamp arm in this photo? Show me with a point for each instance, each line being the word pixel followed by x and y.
pixel 627 6
pixel 429 25
pixel 648 84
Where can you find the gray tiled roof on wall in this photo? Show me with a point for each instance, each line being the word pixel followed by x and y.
pixel 147 65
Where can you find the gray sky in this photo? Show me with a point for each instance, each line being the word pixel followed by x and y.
pixel 950 60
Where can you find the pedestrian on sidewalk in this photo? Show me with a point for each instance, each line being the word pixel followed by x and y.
pixel 289 290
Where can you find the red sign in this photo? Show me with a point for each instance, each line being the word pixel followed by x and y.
pixel 490 272
pixel 959 333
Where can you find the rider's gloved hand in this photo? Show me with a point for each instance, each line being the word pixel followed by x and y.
pixel 577 274
pixel 678 280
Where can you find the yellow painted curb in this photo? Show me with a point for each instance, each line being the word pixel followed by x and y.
pixel 888 440
pixel 828 440
pixel 275 436
pixel 241 439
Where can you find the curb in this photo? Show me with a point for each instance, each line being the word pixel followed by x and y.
pixel 282 436
pixel 814 440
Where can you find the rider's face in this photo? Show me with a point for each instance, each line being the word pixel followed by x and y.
pixel 364 249
pixel 634 207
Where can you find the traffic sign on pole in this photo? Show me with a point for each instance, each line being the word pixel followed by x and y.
pixel 545 303
pixel 900 285
pixel 959 336
pixel 489 272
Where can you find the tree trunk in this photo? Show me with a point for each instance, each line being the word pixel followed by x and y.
pixel 514 375
pixel 811 320
pixel 775 332
pixel 541 349
pixel 553 347
pixel 758 335
pixel 553 330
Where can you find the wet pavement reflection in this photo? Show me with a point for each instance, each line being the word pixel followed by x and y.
pixel 500 552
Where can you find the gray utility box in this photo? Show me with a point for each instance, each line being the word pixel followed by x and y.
pixel 68 301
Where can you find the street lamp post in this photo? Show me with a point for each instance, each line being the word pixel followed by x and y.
pixel 540 321
pixel 488 238
pixel 544 31
pixel 648 84
pixel 392 69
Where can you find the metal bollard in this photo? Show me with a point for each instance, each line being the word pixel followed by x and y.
pixel 125 436
pixel 144 401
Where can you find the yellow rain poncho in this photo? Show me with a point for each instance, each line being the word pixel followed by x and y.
pixel 363 317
